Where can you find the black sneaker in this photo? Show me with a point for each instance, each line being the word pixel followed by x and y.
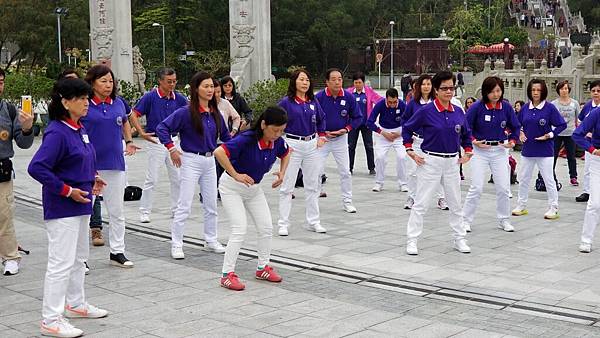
pixel 120 260
pixel 583 197
pixel 87 268
pixel 372 172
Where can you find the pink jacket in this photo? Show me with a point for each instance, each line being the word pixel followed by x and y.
pixel 372 97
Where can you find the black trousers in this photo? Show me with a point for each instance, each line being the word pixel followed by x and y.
pixel 367 137
pixel 569 144
pixel 96 218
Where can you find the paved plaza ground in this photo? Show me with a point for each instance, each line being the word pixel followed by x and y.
pixel 356 280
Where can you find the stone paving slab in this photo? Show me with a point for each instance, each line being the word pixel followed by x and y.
pixel 539 262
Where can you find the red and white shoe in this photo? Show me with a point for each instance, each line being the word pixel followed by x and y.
pixel 232 282
pixel 268 274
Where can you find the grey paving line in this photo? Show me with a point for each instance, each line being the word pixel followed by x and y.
pixel 425 290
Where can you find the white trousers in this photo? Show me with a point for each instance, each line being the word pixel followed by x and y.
pixel 545 166
pixel 339 148
pixel 586 172
pixel 592 212
pixel 382 146
pixel 68 249
pixel 158 155
pixel 496 159
pixel 113 202
pixel 305 155
pixel 411 169
pixel 436 170
pixel 238 199
pixel 196 170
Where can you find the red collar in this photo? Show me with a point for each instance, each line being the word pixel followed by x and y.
pixel 202 110
pixel 328 92
pixel 72 124
pixel 440 108
pixel 96 100
pixel 300 100
pixel 171 95
pixel 386 104
pixel 490 106
pixel 262 145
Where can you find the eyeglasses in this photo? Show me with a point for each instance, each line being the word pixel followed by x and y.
pixel 446 89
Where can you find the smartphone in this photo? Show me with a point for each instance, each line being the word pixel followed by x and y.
pixel 26 104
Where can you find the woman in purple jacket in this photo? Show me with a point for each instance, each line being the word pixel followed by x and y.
pixel 65 166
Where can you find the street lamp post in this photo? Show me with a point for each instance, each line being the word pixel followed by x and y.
pixel 156 24
pixel 392 54
pixel 60 11
pixel 378 66
pixel 489 10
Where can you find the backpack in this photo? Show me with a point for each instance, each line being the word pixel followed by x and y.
pixel 513 170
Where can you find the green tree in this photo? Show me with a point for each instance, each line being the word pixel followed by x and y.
pixel 463 27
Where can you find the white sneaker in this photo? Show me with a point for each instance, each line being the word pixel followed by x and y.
pixel 442 204
pixel 461 246
pixel 349 208
pixel 11 267
pixel 144 218
pixel 506 226
pixel 411 248
pixel 404 188
pixel 552 213
pixel 85 311
pixel 585 247
pixel 510 195
pixel 409 203
pixel 317 228
pixel 60 328
pixel 466 226
pixel 283 231
pixel 215 247
pixel 377 187
pixel 519 211
pixel 177 252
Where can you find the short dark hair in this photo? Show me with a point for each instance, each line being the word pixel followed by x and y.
pixel 291 92
pixel 99 71
pixel 273 115
pixel 562 84
pixel 392 92
pixel 225 80
pixel 2 73
pixel 68 71
pixel 489 83
pixel 331 70
pixel 358 76
pixel 544 89
pixel 595 83
pixel 65 89
pixel 162 72
pixel 442 76
pixel 417 95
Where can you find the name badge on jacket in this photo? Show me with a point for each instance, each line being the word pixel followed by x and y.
pixel 85 138
pixel 488 118
pixel 343 102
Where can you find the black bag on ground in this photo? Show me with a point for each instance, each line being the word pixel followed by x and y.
pixel 300 182
pixel 541 186
pixel 132 193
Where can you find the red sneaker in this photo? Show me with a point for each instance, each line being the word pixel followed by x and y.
pixel 268 274
pixel 574 182
pixel 232 282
